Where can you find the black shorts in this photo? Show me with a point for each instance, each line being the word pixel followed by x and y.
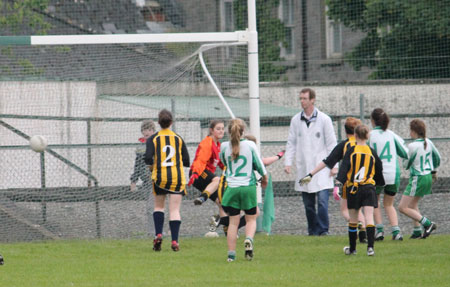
pixel 162 191
pixel 203 181
pixel 231 211
pixel 365 195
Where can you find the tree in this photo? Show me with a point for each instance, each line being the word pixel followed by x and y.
pixel 17 14
pixel 271 33
pixel 404 39
pixel 14 17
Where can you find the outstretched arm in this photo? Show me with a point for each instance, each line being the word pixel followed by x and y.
pixel 271 159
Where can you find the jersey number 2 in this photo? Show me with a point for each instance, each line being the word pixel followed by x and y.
pixel 169 155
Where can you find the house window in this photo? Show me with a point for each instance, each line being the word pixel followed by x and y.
pixel 227 25
pixel 286 15
pixel 334 39
pixel 227 16
pixel 152 11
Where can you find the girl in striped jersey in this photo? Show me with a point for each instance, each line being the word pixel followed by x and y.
pixel 166 154
pixel 241 158
pixel 361 170
pixel 389 147
pixel 424 158
pixel 330 161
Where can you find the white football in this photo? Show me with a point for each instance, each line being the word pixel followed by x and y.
pixel 211 234
pixel 38 143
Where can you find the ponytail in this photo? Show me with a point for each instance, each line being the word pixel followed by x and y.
pixel 362 132
pixel 236 130
pixel 380 118
pixel 418 126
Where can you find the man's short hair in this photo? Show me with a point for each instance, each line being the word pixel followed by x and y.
pixel 311 92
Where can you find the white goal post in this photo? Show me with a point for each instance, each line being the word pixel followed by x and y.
pixel 250 36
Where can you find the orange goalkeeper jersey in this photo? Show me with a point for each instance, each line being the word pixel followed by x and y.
pixel 206 156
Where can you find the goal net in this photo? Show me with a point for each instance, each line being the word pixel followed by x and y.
pixel 89 102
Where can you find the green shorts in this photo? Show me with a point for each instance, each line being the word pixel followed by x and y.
pixel 419 185
pixel 242 197
pixel 390 189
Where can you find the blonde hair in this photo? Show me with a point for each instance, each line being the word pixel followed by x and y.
pixel 250 138
pixel 148 125
pixel 236 130
pixel 362 132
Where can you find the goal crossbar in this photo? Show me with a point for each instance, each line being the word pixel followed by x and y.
pixel 237 36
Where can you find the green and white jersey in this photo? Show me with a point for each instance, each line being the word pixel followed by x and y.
pixel 422 160
pixel 239 172
pixel 389 147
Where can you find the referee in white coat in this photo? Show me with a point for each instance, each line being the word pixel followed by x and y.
pixel 311 139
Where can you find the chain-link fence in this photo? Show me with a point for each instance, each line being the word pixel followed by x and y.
pixel 82 190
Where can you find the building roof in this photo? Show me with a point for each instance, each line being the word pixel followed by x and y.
pixel 203 108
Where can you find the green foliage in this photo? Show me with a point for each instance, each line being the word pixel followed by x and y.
pixel 17 14
pixel 279 261
pixel 18 66
pixel 404 39
pixel 271 33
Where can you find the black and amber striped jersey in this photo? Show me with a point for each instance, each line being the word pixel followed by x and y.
pixel 360 166
pixel 167 153
pixel 222 186
pixel 337 154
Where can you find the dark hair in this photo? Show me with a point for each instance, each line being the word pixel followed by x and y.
pixel 311 92
pixel 362 132
pixel 380 118
pixel 147 125
pixel 418 126
pixel 350 124
pixel 165 118
pixel 214 123
pixel 236 130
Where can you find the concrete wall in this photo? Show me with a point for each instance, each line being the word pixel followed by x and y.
pixel 20 167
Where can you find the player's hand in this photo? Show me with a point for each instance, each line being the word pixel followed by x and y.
pixel 333 171
pixel 287 169
pixel 281 154
pixel 337 193
pixel 193 177
pixel 132 186
pixel 338 183
pixel 264 182
pixel 434 176
pixel 306 179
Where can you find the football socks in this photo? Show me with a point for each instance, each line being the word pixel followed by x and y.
pixel 242 221
pixel 352 234
pixel 158 219
pixel 380 227
pixel 174 229
pixel 425 221
pixel 370 235
pixel 395 230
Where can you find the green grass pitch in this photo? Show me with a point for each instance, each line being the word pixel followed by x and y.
pixel 280 260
